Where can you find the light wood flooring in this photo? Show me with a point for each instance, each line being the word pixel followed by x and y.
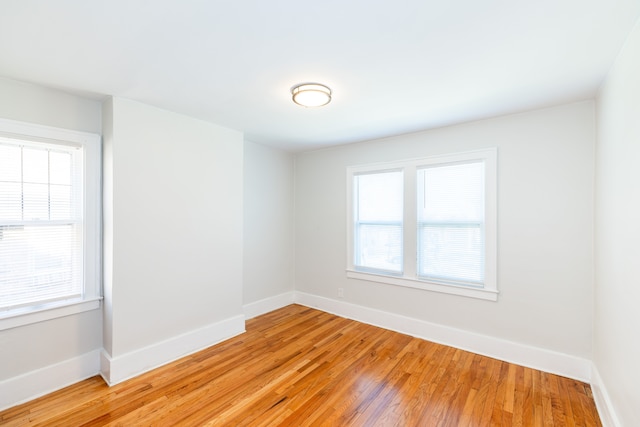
pixel 302 367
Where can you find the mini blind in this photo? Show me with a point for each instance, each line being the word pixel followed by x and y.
pixel 451 218
pixel 41 216
pixel 378 216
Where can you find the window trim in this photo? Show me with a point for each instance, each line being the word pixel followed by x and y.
pixel 489 291
pixel 92 283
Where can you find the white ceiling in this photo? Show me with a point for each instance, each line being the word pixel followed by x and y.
pixel 394 67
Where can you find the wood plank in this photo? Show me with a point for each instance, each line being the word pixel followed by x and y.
pixel 303 367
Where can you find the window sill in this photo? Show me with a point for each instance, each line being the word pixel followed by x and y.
pixel 14 319
pixel 479 293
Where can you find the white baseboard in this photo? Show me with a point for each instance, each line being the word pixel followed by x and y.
pixel 28 386
pixel 114 370
pixel 266 305
pixel 509 351
pixel 117 369
pixel 603 401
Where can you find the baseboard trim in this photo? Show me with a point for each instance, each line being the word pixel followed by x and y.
pixel 603 400
pixel 509 351
pixel 266 305
pixel 30 385
pixel 117 369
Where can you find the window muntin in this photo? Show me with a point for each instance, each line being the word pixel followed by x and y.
pixel 378 219
pixel 449 234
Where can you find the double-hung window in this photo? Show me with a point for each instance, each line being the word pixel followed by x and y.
pixel 426 223
pixel 49 222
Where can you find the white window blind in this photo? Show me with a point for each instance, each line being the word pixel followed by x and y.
pixel 451 223
pixel 378 219
pixel 41 223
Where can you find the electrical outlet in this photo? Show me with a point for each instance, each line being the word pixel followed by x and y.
pixel 340 292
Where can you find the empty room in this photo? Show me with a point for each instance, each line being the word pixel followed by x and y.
pixel 293 213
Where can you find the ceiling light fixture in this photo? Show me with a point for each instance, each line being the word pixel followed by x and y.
pixel 311 94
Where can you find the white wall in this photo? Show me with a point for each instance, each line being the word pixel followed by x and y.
pixel 36 104
pixel 617 317
pixel 173 236
pixel 545 228
pixel 268 223
pixel 26 351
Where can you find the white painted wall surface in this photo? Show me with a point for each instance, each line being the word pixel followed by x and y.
pixel 28 348
pixel 268 222
pixel 174 226
pixel 617 317
pixel 36 104
pixel 545 228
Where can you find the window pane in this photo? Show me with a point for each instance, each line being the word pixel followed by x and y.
pixel 60 202
pixel 35 164
pixel 10 201
pixel 452 192
pixel 36 202
pixel 10 163
pixel 451 253
pixel 60 168
pixel 379 196
pixel 379 247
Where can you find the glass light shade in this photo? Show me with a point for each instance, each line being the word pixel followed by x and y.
pixel 311 95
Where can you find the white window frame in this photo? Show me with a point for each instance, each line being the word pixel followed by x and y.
pixel 409 278
pixel 92 150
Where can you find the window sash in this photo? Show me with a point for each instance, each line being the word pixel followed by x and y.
pixel 378 229
pixel 456 269
pixel 450 222
pixel 41 233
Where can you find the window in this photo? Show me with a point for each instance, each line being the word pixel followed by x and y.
pixel 427 223
pixel 49 222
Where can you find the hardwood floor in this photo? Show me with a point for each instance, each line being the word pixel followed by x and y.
pixel 301 367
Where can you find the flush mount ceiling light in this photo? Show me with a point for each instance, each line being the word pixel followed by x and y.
pixel 311 94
